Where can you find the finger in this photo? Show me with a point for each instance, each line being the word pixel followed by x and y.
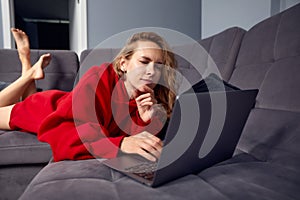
pixel 151 147
pixel 157 144
pixel 146 102
pixel 146 134
pixel 154 152
pixel 154 139
pixel 143 96
pixel 146 155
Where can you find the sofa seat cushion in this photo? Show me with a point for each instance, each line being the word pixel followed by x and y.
pixel 22 148
pixel 254 180
pixel 242 177
pixel 90 179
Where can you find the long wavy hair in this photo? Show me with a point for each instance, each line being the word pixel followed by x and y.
pixel 164 92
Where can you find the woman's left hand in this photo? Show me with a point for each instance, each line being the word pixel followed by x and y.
pixel 145 100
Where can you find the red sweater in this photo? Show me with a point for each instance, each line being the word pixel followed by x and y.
pixel 88 122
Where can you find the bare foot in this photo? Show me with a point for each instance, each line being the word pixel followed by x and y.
pixel 22 42
pixel 23 48
pixel 37 70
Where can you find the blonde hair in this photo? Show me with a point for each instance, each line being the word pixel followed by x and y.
pixel 164 92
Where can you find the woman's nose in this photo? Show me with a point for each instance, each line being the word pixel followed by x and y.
pixel 150 69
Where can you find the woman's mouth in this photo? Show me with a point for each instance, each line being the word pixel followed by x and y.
pixel 147 81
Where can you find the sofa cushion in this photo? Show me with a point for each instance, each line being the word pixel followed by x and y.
pixel 265 44
pixel 3 85
pixel 242 177
pixel 22 148
pixel 219 51
pixel 223 49
pixel 269 59
pixel 216 54
pixel 15 178
pixel 59 74
pixel 273 136
pixel 90 179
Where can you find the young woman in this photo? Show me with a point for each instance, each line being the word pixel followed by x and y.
pixel 112 109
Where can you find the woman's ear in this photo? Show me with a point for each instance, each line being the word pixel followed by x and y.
pixel 123 64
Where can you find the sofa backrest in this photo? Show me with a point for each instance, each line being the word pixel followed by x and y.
pixel 269 59
pixel 59 74
pixel 222 48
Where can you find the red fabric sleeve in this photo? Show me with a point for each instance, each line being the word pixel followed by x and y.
pixel 78 128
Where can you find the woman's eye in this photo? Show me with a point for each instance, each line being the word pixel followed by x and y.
pixel 144 62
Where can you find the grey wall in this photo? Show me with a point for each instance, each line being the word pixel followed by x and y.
pixel 287 3
pixel 218 15
pixel 195 18
pixel 107 17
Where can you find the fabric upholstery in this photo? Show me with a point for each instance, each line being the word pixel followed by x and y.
pixel 59 74
pixel 216 54
pixel 224 48
pixel 269 59
pixel 15 178
pixel 92 180
pixel 22 148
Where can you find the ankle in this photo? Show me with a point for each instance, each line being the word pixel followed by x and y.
pixel 28 74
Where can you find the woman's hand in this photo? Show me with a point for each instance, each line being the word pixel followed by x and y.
pixel 144 144
pixel 145 100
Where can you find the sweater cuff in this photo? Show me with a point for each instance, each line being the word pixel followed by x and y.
pixel 106 147
pixel 139 121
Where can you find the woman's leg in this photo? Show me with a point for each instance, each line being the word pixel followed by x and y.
pixel 24 85
pixel 5 117
pixel 11 94
pixel 23 48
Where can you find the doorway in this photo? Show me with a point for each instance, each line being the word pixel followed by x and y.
pixel 46 22
pixel 75 15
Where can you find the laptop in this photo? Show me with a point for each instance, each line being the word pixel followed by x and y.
pixel 203 130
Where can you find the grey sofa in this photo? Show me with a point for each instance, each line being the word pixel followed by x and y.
pixel 22 156
pixel 266 162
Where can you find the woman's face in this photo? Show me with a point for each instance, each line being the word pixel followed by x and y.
pixel 144 67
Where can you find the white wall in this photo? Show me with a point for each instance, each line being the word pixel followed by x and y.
pixel 107 17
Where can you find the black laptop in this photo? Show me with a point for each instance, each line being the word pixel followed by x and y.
pixel 204 129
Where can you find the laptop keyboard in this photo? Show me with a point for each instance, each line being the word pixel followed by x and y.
pixel 145 170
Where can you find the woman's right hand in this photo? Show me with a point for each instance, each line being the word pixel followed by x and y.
pixel 144 144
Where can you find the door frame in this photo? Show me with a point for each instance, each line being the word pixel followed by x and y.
pixel 8 21
pixel 77 31
pixel 78 25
